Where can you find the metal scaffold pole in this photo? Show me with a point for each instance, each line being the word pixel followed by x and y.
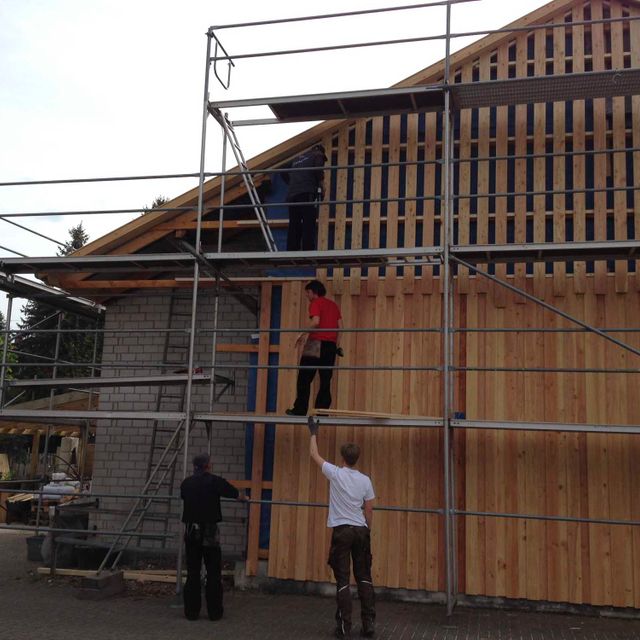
pixel 5 349
pixel 447 333
pixel 194 299
pixel 216 302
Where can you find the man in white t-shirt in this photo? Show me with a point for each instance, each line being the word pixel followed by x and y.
pixel 350 515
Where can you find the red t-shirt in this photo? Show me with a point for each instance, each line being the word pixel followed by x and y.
pixel 329 314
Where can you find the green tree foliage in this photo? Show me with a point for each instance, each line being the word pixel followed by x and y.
pixel 158 202
pixel 76 346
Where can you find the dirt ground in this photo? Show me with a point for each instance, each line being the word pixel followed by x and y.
pixel 34 607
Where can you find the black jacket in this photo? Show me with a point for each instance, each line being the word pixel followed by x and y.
pixel 201 494
pixel 305 181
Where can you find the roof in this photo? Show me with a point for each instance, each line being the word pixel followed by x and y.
pixel 156 224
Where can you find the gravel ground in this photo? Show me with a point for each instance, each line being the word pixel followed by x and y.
pixel 33 607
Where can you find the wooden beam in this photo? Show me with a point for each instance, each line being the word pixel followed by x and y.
pixel 257 465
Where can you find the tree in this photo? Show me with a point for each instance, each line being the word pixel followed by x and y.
pixel 78 238
pixel 76 346
pixel 157 202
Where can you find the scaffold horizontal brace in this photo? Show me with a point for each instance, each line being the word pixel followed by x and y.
pixel 61 415
pixel 548 251
pixel 123 381
pixel 546 426
pixel 337 421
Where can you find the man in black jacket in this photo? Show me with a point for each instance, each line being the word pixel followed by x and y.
pixel 201 513
pixel 304 183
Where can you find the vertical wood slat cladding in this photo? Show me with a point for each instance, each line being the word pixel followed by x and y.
pixel 565 198
pixel 583 475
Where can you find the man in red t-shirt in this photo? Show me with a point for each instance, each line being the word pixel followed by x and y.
pixel 320 349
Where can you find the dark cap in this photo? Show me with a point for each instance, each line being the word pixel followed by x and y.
pixel 319 147
pixel 201 461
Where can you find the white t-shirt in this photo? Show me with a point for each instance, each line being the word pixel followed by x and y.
pixel 348 489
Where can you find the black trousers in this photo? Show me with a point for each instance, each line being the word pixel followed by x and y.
pixel 302 233
pixel 305 378
pixel 202 543
pixel 352 543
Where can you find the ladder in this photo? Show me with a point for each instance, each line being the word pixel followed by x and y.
pixel 247 177
pixel 166 440
pixel 156 481
pixel 169 398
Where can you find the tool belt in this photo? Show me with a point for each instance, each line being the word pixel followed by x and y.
pixel 204 533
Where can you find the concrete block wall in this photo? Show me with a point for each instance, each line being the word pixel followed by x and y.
pixel 122 446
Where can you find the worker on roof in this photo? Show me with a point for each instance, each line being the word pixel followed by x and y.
pixel 305 190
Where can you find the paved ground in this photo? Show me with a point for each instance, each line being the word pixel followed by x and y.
pixel 36 608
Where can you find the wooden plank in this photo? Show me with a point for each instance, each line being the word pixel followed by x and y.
pixel 484 133
pixel 579 145
pixel 428 223
pixel 599 143
pixel 410 191
pixel 520 181
pixel 464 220
pixel 533 497
pixel 619 463
pixel 323 209
pixel 341 209
pixel 634 29
pixel 183 225
pixel 257 463
pixel 473 578
pixel 393 191
pixel 502 148
pixel 358 194
pixel 375 208
pixel 539 163
pixel 619 142
pixel 559 177
pixel 284 479
pixel 598 460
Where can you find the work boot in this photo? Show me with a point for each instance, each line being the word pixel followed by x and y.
pixel 368 629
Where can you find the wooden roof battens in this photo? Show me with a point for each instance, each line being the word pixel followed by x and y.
pixel 152 226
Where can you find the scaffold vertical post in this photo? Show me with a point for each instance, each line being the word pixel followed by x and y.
pixel 216 303
pixel 194 297
pixel 447 320
pixel 47 436
pixel 5 349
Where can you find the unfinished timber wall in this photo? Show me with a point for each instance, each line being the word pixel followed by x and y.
pixel 549 474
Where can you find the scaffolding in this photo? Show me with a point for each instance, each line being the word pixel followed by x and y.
pixel 445 98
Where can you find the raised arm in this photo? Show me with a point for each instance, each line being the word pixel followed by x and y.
pixel 313 442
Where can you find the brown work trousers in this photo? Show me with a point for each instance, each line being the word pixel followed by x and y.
pixel 350 542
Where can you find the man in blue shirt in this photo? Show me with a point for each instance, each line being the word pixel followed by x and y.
pixel 351 499
pixel 305 182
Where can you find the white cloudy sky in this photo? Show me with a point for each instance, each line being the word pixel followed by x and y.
pixel 114 88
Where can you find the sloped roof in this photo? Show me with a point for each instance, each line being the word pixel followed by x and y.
pixel 143 231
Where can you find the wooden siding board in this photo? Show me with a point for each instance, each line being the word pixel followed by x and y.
pixel 579 146
pixel 374 208
pixel 501 171
pixel 599 143
pixel 619 142
pixel 521 164
pixel 559 177
pixel 358 194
